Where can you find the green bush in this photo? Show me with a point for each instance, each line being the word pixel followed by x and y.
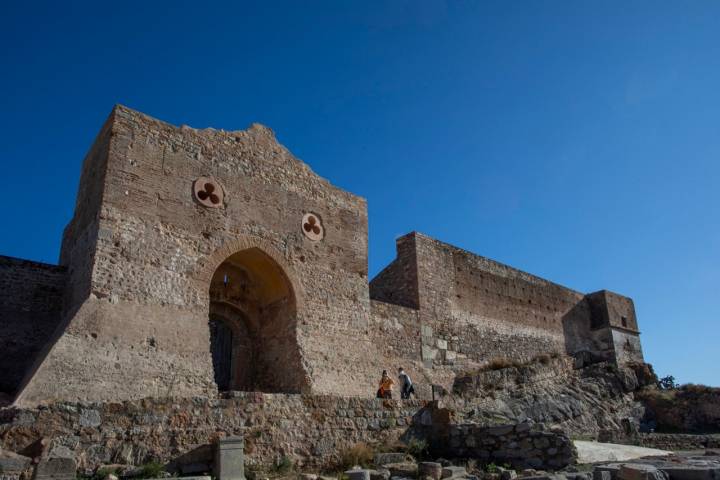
pixel 418 448
pixel 153 469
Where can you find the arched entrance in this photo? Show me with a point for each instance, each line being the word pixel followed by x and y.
pixel 252 319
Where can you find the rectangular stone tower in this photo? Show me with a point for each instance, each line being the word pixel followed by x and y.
pixel 196 256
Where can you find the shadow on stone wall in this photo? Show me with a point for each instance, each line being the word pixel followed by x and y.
pixel 579 341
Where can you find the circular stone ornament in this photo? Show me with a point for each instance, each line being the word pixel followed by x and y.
pixel 312 227
pixel 208 192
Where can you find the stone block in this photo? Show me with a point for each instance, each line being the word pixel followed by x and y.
pixel 428 353
pixel 391 457
pixel 55 469
pixel 599 474
pixel 430 469
pixel 230 459
pixel 441 344
pixel 687 472
pixel 579 475
pixel 358 474
pixel 380 474
pixel 403 469
pixel 541 442
pixel 523 426
pixel 11 462
pixel 500 430
pixel 89 418
pixel 453 472
pixel 640 471
pixel 507 474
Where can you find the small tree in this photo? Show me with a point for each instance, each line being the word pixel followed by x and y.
pixel 667 383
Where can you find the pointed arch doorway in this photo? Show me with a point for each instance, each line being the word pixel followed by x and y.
pixel 252 324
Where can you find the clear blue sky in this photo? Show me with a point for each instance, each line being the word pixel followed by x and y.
pixel 578 140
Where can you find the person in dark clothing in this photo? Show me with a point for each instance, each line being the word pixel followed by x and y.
pixel 406 385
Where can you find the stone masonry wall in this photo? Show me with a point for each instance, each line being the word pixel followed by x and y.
pixel 31 297
pixel 309 430
pixel 395 330
pixel 474 309
pixel 395 333
pixel 678 441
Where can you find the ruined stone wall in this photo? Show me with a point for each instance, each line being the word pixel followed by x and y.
pixel 678 441
pixel 31 295
pixel 309 430
pixel 144 327
pixel 521 446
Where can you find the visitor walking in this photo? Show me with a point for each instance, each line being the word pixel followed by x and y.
pixel 406 385
pixel 386 385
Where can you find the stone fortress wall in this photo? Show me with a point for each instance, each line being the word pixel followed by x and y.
pixel 31 298
pixel 471 310
pixel 199 258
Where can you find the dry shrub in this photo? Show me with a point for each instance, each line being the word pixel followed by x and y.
pixel 545 358
pixel 499 363
pixel 390 446
pixel 695 389
pixel 358 454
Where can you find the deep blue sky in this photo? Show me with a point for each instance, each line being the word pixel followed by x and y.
pixel 578 140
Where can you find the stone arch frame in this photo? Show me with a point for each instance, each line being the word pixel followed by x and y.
pixel 209 266
pixel 244 242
